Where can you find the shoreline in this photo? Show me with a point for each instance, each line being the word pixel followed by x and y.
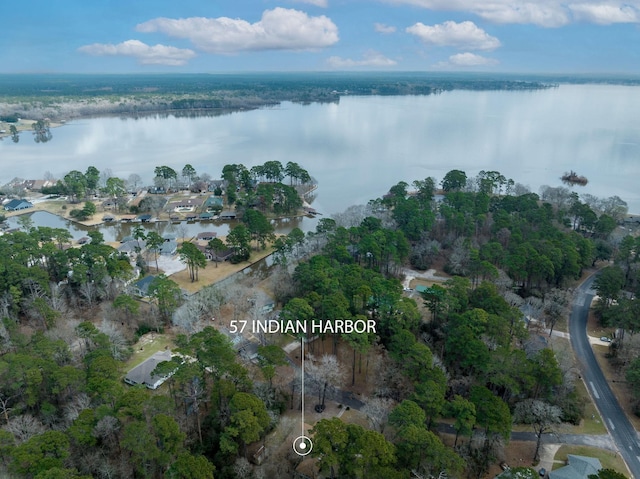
pixel 214 273
pixel 65 97
pixel 55 207
pixel 25 124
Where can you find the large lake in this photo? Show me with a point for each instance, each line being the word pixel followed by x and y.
pixel 360 147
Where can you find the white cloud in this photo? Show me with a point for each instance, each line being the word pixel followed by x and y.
pixel 369 59
pixel 278 29
pixel 317 3
pixel 470 60
pixel 145 54
pixel 604 14
pixel 464 61
pixel 545 13
pixel 382 28
pixel 464 35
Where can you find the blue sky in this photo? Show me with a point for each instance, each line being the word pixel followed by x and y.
pixel 122 36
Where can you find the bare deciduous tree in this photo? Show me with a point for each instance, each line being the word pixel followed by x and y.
pixel 89 292
pixel 324 376
pixel 188 316
pixel 73 408
pixel 106 430
pixel 120 349
pixel 24 427
pixel 391 382
pixel 243 468
pixel 540 415
pixel 377 411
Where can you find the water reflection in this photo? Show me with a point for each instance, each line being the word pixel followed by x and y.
pixel 114 232
pixel 360 147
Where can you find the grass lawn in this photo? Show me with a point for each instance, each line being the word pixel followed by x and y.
pixel 281 340
pixel 422 282
pixel 212 274
pixel 147 346
pixel 562 325
pixel 608 459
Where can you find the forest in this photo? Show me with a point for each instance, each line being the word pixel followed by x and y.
pixel 471 350
pixel 64 96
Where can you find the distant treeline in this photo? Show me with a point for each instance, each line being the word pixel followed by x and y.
pixel 63 97
pixel 283 86
pixel 66 96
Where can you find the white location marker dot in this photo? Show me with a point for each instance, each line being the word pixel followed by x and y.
pixel 302 445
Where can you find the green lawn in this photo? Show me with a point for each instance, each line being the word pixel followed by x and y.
pixel 148 345
pixel 608 459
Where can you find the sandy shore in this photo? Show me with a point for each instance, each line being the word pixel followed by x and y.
pixel 22 125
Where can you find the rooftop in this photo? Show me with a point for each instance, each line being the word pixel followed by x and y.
pixel 141 374
pixel 578 467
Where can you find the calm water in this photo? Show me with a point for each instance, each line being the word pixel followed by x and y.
pixel 117 231
pixel 360 147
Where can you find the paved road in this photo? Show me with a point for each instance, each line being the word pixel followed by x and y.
pixel 602 441
pixel 621 430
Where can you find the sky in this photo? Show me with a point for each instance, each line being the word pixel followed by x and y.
pixel 216 36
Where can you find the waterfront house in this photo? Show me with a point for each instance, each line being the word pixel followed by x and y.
pixel 228 215
pixel 207 235
pixel 169 248
pixel 131 247
pixel 220 256
pixel 213 203
pixel 17 205
pixel 109 204
pixel 169 237
pixel 186 204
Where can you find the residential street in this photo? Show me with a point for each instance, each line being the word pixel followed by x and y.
pixel 622 432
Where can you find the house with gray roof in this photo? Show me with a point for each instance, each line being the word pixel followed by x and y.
pixel 141 287
pixel 17 205
pixel 131 248
pixel 578 467
pixel 228 215
pixel 207 235
pixel 169 248
pixel 213 203
pixel 143 373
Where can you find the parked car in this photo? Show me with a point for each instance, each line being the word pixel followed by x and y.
pixel 605 339
pixel 542 472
